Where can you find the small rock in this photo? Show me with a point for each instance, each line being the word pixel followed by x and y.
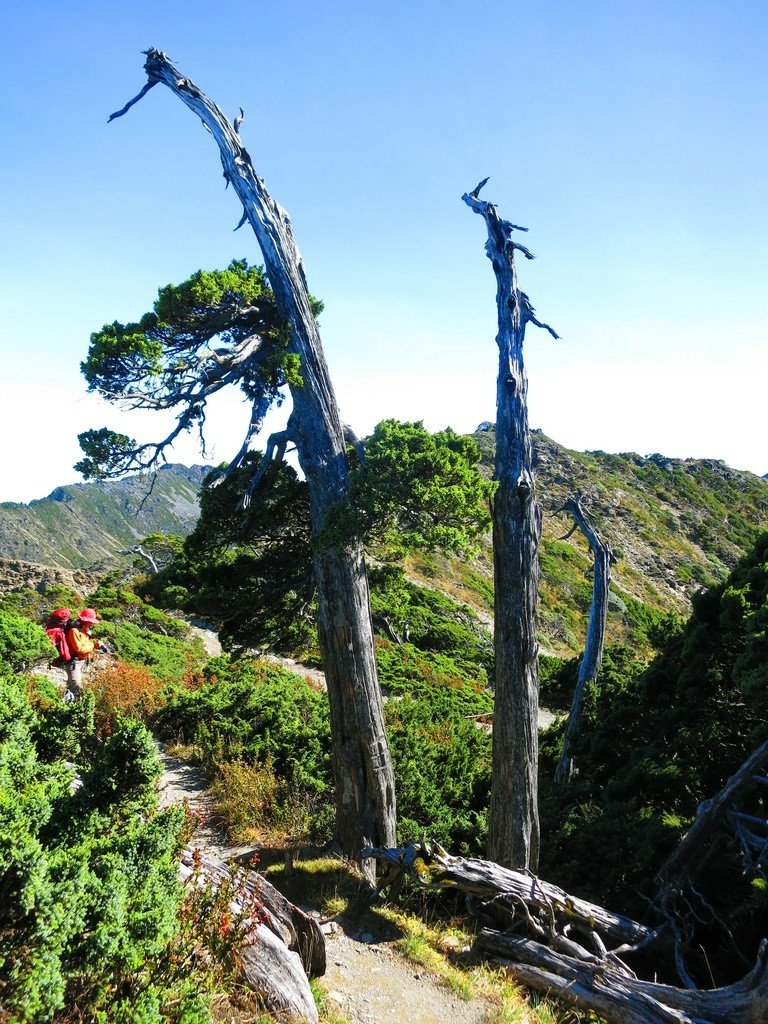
pixel 367 938
pixel 337 997
pixel 329 928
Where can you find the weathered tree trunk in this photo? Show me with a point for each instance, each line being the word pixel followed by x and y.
pixel 365 792
pixel 593 646
pixel 283 945
pixel 513 827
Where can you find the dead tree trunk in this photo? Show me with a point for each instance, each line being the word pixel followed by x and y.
pixel 593 646
pixel 365 792
pixel 513 827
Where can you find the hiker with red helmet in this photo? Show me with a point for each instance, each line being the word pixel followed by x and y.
pixel 81 646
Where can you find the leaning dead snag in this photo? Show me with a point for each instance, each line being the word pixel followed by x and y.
pixel 513 826
pixel 688 857
pixel 598 614
pixel 365 793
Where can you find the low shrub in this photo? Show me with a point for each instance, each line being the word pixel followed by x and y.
pixel 258 806
pixel 123 690
pixel 22 642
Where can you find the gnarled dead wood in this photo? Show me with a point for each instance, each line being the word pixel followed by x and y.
pixel 505 892
pixel 593 646
pixel 693 846
pixel 283 944
pixel 363 772
pixel 513 828
pixel 625 1000
pixel 555 956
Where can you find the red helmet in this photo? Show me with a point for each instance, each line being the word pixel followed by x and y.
pixel 88 615
pixel 61 614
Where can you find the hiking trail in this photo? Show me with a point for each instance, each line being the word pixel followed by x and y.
pixel 367 978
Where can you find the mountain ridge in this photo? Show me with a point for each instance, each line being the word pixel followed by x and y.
pixel 676 525
pixel 78 525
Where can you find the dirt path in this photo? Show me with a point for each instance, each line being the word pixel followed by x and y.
pixel 367 978
pixel 372 984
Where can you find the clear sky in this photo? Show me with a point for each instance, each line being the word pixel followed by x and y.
pixel 629 137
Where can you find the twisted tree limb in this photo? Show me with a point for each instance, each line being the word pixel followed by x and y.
pixel 691 851
pixel 624 1000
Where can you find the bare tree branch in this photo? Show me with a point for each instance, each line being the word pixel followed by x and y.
pixel 130 103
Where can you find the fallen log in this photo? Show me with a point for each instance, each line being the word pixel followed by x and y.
pixel 564 952
pixel 505 892
pixel 624 1000
pixel 283 945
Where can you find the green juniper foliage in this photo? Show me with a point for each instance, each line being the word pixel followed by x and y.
pixel 216 328
pixel 88 878
pixel 657 741
pixel 21 642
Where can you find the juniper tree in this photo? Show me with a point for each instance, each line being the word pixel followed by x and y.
pixel 264 344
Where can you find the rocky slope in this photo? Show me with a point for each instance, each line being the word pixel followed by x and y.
pixel 675 525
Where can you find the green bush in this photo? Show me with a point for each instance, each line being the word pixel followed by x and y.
pixel 258 713
pixel 655 742
pixel 21 642
pixel 442 772
pixel 89 878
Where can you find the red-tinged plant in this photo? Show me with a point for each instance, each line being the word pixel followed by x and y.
pixel 123 690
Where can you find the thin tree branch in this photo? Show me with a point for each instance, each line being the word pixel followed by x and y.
pixel 130 103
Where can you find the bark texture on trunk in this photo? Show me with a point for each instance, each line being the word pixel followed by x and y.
pixel 362 765
pixel 593 646
pixel 513 827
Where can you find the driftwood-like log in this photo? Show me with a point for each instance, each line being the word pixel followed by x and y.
pixel 565 951
pixel 593 646
pixel 284 945
pixel 513 894
pixel 624 1000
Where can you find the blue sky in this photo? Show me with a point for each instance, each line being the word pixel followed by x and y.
pixel 630 138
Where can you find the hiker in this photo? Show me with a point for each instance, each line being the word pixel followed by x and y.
pixel 81 646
